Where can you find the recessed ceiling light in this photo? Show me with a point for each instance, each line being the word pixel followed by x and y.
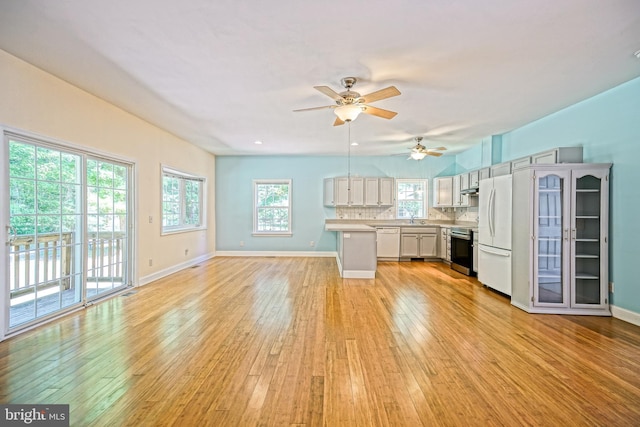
pixel 354 143
pixel 637 54
pixel 258 142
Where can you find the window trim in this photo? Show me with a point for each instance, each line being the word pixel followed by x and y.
pixel 183 177
pixel 255 231
pixel 425 198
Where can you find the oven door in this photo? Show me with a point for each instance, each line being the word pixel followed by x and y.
pixel 462 254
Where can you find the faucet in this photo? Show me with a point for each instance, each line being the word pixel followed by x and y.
pixel 412 218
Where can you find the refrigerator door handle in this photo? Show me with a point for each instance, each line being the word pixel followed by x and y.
pixel 491 212
pixel 489 251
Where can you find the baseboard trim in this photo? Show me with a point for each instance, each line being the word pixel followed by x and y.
pixel 173 269
pixel 318 254
pixel 626 315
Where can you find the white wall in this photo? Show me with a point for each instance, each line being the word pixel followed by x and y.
pixel 37 102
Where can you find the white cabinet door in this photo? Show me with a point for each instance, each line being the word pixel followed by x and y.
pixel 551 207
pixel 500 169
pixel 548 157
pixel 464 181
pixel 371 192
pixel 386 191
pixel 443 191
pixel 516 164
pixel 329 192
pixel 408 245
pixel 589 286
pixel 428 245
pixel 484 173
pixel 356 192
pixel 463 199
pixel 444 237
pixel 474 179
pixel 457 197
pixel 341 196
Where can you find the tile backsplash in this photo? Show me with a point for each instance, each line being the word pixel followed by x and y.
pixel 388 213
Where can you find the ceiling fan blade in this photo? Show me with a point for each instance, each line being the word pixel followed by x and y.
pixel 315 108
pixel 381 94
pixel 338 122
pixel 385 114
pixel 439 148
pixel 330 93
pixel 433 153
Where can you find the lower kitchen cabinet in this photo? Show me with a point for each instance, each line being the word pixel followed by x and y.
pixel 445 244
pixel 419 242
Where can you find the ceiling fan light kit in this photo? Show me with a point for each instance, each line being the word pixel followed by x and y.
pixel 419 151
pixel 418 155
pixel 348 113
pixel 349 104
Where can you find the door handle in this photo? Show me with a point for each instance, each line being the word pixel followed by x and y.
pixel 492 225
pixel 489 251
pixel 566 234
pixel 11 234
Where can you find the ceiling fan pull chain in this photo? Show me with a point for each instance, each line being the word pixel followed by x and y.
pixel 349 156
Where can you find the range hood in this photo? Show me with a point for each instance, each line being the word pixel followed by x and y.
pixel 471 191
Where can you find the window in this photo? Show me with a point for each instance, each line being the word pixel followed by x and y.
pixel 272 207
pixel 412 198
pixel 182 201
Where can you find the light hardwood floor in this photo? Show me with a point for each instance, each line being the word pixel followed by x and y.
pixel 286 342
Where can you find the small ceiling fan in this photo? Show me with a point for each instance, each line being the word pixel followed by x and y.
pixel 349 104
pixel 419 151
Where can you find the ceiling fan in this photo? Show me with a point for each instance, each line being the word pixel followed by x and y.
pixel 419 151
pixel 349 104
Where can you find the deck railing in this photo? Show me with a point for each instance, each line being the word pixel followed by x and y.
pixel 52 255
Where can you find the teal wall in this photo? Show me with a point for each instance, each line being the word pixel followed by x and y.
pixel 234 195
pixel 607 126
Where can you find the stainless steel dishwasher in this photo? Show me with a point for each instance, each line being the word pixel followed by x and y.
pixel 388 243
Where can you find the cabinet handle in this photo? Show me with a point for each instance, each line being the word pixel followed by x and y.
pixel 566 234
pixel 573 234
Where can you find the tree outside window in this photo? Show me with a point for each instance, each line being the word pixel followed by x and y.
pixel 272 207
pixel 182 201
pixel 411 198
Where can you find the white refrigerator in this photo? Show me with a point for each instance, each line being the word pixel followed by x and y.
pixel 494 229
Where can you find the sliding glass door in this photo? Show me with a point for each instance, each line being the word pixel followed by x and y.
pixel 68 229
pixel 107 225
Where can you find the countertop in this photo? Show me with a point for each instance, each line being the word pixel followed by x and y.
pixel 344 224
pixel 348 227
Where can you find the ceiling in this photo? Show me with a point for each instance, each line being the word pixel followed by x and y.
pixel 223 74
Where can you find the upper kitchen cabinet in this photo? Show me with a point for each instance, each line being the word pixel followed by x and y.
pixel 386 191
pixel 560 242
pixel 336 192
pixel 558 155
pixel 443 192
pixel 329 191
pixel 358 191
pixel 378 191
pixel 500 169
pixel 474 179
pixel 460 182
pixel 518 163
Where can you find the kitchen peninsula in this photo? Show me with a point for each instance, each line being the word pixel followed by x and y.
pixel 356 249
